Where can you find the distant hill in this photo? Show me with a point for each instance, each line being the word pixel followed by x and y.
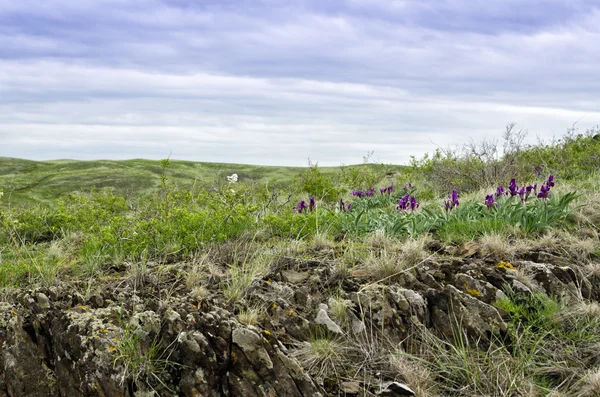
pixel 27 181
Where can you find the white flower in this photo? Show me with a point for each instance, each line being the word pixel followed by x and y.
pixel 233 178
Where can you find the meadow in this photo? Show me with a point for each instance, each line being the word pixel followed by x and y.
pixel 475 218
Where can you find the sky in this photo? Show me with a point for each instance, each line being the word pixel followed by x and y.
pixel 279 82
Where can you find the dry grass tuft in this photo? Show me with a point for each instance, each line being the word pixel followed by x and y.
pixel 321 356
pixel 388 263
pixel 591 384
pixel 379 240
pixel 200 293
pixel 414 373
pixel 321 242
pixel 498 247
pixel 250 315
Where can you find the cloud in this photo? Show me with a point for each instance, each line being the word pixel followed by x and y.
pixel 277 82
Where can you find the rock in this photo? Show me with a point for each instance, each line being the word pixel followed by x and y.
pixel 323 319
pixel 479 289
pixel 95 301
pixel 554 280
pixel 43 301
pixel 357 326
pixel 294 277
pixel 468 249
pixel 351 388
pixel 451 308
pixel 397 389
pixel 252 345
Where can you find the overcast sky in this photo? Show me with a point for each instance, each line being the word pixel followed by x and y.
pixel 280 81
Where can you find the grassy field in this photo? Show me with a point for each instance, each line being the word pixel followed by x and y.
pixel 474 237
pixel 27 181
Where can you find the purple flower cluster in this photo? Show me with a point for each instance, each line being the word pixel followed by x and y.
pixel 301 206
pixel 407 202
pixel 408 187
pixel 388 190
pixel 523 192
pixel 545 189
pixel 344 207
pixel 490 202
pixel 452 201
pixel 366 193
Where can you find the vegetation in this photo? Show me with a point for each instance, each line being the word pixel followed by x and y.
pixel 68 220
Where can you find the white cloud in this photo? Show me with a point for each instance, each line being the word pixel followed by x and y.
pixel 278 85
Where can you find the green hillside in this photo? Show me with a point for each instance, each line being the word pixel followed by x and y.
pixel 27 181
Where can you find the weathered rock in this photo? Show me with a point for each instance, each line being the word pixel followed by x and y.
pixel 323 319
pixel 554 280
pixel 350 388
pixel 397 389
pixel 452 308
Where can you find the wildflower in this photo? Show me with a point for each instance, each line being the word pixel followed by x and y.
pixel 383 190
pixel 357 193
pixel 301 206
pixel 452 201
pixel 513 188
pixel 544 192
pixel 311 204
pixel 369 192
pixel 490 202
pixel 349 208
pixel 390 189
pixel 500 191
pixel 342 205
pixel 408 186
pixel 529 189
pixel 550 181
pixel 404 202
pixel 522 193
pixel 413 203
pixel 233 178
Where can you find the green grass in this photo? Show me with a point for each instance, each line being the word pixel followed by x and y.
pixel 26 181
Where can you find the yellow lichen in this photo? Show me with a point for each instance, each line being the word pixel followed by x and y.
pixel 473 292
pixel 505 266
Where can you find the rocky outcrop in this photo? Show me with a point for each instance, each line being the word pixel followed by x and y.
pixel 123 341
pixel 52 346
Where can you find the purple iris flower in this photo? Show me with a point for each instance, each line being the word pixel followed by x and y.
pixel 301 206
pixel 342 205
pixel 357 193
pixel 544 192
pixel 403 203
pixel 522 193
pixel 349 208
pixel 500 191
pixel 451 202
pixel 454 197
pixel 413 203
pixel 383 190
pixel 311 204
pixel 390 189
pixel 528 190
pixel 513 188
pixel 550 181
pixel 489 201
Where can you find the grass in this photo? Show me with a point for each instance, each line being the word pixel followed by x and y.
pixel 30 182
pixel 228 244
